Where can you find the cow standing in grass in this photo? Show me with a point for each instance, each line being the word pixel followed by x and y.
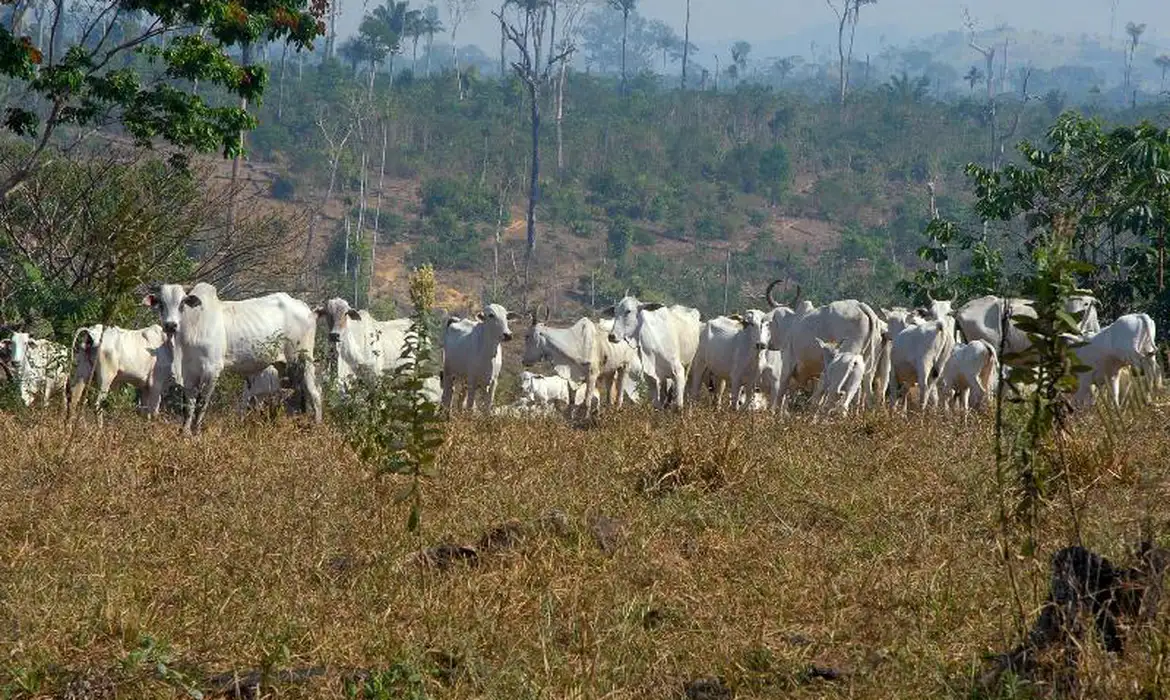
pixel 471 353
pixel 210 335
pixel 110 357
pixel 363 344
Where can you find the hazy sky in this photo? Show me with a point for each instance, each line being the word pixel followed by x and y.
pixel 763 20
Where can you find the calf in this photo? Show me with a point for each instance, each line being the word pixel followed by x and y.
pixel 972 369
pixel 110 357
pixel 539 390
pixel 841 382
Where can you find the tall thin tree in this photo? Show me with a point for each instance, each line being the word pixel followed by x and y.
pixel 625 7
pixel 527 33
pixel 686 45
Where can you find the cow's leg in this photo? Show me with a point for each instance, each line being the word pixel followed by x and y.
pixel 202 403
pixel 1115 389
pixel 310 388
pixel 490 395
pixel 590 389
pixel 446 380
pixel 698 370
pixel 472 388
pixel 190 395
pixel 680 383
pixel 618 383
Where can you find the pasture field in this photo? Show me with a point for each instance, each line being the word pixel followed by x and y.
pixel 622 560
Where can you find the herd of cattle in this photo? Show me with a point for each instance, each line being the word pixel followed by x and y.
pixel 845 353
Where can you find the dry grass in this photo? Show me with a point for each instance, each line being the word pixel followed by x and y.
pixel 735 546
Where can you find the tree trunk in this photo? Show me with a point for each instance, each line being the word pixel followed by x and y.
pixel 533 186
pixel 455 62
pixel 430 47
pixel 246 56
pixel 560 117
pixel 280 94
pixel 625 26
pixel 414 57
pixel 377 215
pixel 373 73
pixel 686 45
pixel 841 54
pixel 503 45
pixel 1162 261
pixel 360 227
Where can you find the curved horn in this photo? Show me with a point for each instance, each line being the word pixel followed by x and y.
pixel 768 294
pixel 954 296
pixel 626 293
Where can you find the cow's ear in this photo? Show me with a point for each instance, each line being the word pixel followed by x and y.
pixel 353 315
pixel 453 320
pixel 650 307
pixel 479 316
pixel 512 316
pixel 737 318
pixel 192 301
pixel 921 311
pixel 320 311
pixel 149 300
pixel 607 312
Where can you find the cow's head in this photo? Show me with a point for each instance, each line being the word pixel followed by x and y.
pixel 780 320
pixel 625 317
pixel 495 318
pixel 337 314
pixel 757 325
pixel 169 300
pixel 534 338
pixel 937 308
pixel 15 349
pixel 1083 307
pixel 85 342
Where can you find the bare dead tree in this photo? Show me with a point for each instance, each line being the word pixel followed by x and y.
pixel 686 45
pixel 848 13
pixel 526 31
pixel 570 17
pixel 459 10
pixel 336 141
pixel 988 53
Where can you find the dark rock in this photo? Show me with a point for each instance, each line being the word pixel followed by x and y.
pixel 607 532
pixel 827 673
pixel 502 537
pixel 708 689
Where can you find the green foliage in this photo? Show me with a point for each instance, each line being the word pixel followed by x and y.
pixel 402 681
pixel 80 83
pixel 461 198
pixel 284 188
pixel 390 420
pixel 620 237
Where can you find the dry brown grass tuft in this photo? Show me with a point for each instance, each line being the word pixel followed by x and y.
pixel 649 556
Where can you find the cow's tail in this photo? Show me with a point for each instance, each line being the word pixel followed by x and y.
pixel 1149 350
pixel 989 372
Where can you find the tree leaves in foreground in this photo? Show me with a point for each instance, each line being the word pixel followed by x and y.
pixel 88 76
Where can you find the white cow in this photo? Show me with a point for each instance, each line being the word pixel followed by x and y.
pixel 982 319
pixel 110 357
pixel 579 352
pixel 849 323
pixel 41 366
pixel 666 339
pixel 471 352
pixel 210 335
pixel 363 344
pixel 731 350
pixel 917 357
pixel 555 390
pixel 1128 341
pixel 970 375
pixel 841 383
